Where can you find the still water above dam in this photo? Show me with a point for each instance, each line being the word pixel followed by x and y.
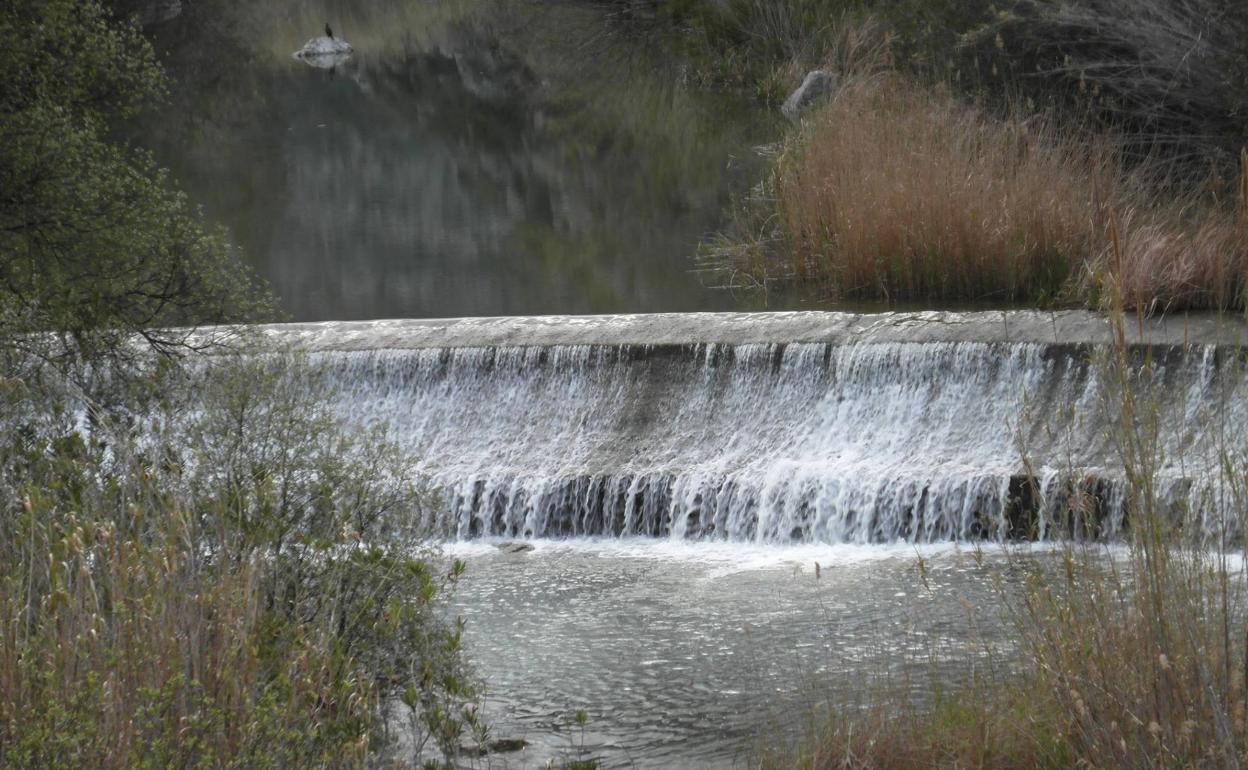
pixel 470 157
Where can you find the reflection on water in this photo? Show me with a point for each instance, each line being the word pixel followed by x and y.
pixel 477 165
pixel 687 654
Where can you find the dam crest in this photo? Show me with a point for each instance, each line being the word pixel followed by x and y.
pixel 782 427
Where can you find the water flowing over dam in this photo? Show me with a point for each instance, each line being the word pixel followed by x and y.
pixel 807 427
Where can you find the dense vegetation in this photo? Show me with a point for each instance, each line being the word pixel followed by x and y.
pixel 97 244
pixel 214 573
pixel 968 112
pixel 198 565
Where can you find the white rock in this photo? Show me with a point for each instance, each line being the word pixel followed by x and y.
pixel 324 46
pixel 817 85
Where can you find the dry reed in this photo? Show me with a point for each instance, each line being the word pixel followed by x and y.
pixel 1183 260
pixel 898 192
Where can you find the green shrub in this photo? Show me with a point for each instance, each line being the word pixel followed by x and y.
pixel 95 244
pixel 215 574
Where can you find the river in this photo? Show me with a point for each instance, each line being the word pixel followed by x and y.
pixel 731 525
pixel 693 655
pixel 471 158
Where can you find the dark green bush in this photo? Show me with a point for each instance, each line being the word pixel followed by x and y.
pixel 95 243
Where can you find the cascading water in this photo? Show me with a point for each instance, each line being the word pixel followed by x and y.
pixel 699 448
pixel 854 440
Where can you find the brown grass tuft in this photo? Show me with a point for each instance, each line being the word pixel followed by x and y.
pixel 1194 266
pixel 898 192
pixel 1181 261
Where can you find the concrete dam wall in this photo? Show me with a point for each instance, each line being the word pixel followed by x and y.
pixel 780 427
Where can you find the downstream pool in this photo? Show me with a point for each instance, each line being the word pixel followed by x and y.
pixel 685 655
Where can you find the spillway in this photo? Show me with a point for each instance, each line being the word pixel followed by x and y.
pixel 782 427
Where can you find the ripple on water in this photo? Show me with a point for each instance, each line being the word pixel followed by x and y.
pixel 684 654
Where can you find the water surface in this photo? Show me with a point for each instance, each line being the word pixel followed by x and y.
pixel 687 655
pixel 470 159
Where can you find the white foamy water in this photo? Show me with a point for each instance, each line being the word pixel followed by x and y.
pixel 771 443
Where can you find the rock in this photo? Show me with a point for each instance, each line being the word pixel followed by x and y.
pixel 816 86
pixel 513 546
pixel 325 52
pixel 496 746
pixel 507 745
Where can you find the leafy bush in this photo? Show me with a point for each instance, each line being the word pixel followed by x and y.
pixel 94 242
pixel 214 573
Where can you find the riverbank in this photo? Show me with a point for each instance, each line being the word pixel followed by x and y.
pixel 1019 154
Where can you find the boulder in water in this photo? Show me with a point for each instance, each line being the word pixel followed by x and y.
pixel 513 546
pixel 507 745
pixel 816 86
pixel 496 746
pixel 325 52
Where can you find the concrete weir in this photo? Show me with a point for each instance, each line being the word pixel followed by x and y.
pixel 1066 327
pixel 806 426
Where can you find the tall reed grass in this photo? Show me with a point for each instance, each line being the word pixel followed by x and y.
pixel 899 192
pixel 896 191
pixel 1185 254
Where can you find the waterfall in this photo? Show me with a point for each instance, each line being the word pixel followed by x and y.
pixel 851 440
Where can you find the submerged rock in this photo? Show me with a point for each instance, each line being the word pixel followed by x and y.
pixel 496 746
pixel 816 86
pixel 507 745
pixel 514 547
pixel 325 52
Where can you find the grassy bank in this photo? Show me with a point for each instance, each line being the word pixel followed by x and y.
pixel 993 154
pixel 896 191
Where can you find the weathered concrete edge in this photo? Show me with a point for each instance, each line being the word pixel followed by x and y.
pixel 1064 328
